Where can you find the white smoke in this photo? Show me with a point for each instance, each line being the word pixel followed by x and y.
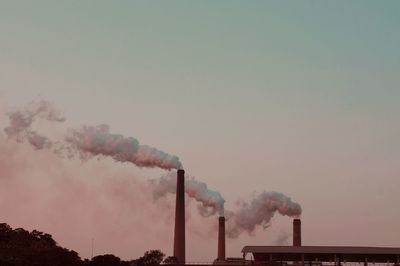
pixel 97 140
pixel 92 141
pixel 245 219
pixel 21 122
pixel 259 212
pixel 88 141
pixel 282 239
pixel 211 201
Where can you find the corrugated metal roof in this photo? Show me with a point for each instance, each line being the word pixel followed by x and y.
pixel 322 250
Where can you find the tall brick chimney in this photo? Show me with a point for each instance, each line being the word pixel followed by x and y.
pixel 179 234
pixel 297 233
pixel 221 238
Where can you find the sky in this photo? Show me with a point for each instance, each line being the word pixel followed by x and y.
pixel 300 97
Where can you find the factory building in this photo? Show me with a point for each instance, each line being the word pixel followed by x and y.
pixel 295 255
pixel 319 255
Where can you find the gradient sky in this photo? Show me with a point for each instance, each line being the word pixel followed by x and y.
pixel 300 97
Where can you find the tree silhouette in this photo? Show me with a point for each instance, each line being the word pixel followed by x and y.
pixel 171 260
pixel 152 257
pixel 19 247
pixel 107 260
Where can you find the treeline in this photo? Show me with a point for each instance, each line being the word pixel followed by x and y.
pixel 19 247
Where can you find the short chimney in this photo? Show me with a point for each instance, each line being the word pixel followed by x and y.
pixel 296 232
pixel 221 238
pixel 179 234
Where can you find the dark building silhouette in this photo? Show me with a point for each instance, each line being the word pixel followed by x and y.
pixel 316 255
pixel 179 234
pixel 296 232
pixel 221 238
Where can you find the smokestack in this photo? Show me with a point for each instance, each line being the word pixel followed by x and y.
pixel 179 236
pixel 221 238
pixel 297 233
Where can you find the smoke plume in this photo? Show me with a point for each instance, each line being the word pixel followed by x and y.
pixel 97 140
pixel 259 212
pixel 88 141
pixel 282 239
pixel 211 201
pixel 76 202
pixel 21 122
pixel 93 141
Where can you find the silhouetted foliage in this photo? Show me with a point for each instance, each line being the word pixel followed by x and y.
pixel 171 260
pixel 152 257
pixel 107 260
pixel 19 247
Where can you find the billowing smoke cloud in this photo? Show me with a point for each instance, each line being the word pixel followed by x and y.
pixel 21 122
pixel 97 140
pixel 282 239
pixel 88 141
pixel 211 201
pixel 76 202
pixel 259 212
pixel 91 141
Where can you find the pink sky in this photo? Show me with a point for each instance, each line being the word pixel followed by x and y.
pixel 113 203
pixel 299 97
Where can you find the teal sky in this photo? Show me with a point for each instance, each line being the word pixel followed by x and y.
pixel 300 97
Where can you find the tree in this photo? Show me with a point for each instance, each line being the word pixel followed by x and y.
pixel 152 257
pixel 171 260
pixel 21 247
pixel 5 232
pixel 106 260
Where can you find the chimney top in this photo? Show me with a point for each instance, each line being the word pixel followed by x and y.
pixel 296 232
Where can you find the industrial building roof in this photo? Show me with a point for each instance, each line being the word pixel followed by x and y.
pixel 321 249
pixel 324 253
